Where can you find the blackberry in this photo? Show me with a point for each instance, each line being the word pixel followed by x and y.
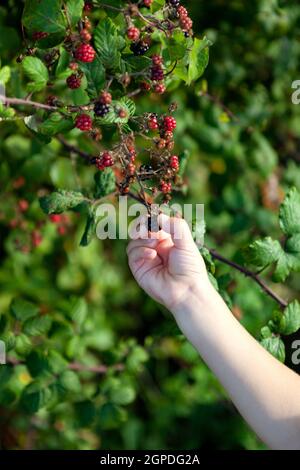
pixel 101 109
pixel 174 3
pixel 157 73
pixel 139 48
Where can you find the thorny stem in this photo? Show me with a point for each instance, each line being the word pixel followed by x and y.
pixel 282 303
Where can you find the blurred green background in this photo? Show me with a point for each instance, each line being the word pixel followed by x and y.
pixel 241 163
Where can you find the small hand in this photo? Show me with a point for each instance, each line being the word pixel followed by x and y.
pixel 168 265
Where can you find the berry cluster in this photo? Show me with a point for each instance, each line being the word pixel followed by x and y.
pixel 85 53
pixel 140 47
pixel 104 161
pixel 186 22
pixel 74 81
pixel 84 122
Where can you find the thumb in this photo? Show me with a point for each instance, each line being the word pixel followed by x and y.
pixel 178 229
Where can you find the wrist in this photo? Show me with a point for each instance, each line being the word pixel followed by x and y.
pixel 199 296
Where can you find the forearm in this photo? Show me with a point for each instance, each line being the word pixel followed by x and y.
pixel 265 391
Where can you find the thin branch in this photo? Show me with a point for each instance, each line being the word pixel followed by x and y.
pixel 282 303
pixel 20 101
pixel 74 149
pixel 76 366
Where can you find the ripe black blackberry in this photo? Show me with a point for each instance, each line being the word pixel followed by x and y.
pixel 139 48
pixel 101 109
pixel 174 3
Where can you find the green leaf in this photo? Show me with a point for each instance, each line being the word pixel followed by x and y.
pixel 69 381
pixel 198 59
pixel 62 70
pixel 57 363
pixel 37 72
pixel 4 75
pixel 122 395
pixel 37 363
pixel 275 346
pixel 55 124
pixel 263 252
pixel 290 321
pixel 105 182
pixel 108 43
pixel 95 76
pixel 35 396
pixel 79 311
pixel 289 214
pixel 38 325
pixel 44 15
pixel 61 201
pixel 89 231
pixel 264 156
pixel 22 309
pixel 74 11
pixel 23 344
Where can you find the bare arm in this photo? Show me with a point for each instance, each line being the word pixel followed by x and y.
pixel 265 391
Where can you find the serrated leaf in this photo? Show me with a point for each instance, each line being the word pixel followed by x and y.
pixel 38 325
pixel 74 10
pixel 289 214
pixel 37 363
pixel 108 43
pixel 89 231
pixel 263 252
pixel 95 76
pixel 55 124
pixel 195 61
pixel 37 72
pixel 22 309
pixel 69 381
pixel 35 396
pixel 79 311
pixel 61 201
pixel 105 182
pixel 290 321
pixel 275 346
pixel 44 15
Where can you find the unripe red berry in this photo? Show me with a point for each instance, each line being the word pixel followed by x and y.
pixel 84 122
pixel 169 123
pixel 157 59
pixel 145 86
pixel 85 53
pixel 23 205
pixel 19 182
pixel 55 218
pixel 153 124
pixel 61 230
pixel 165 187
pixel 105 97
pixel 104 161
pixel 87 23
pixel 74 81
pixel 160 88
pixel 133 33
pixel 88 6
pixel 147 3
pixel 73 66
pixel 38 35
pixel 174 162
pixel 122 113
pixel 182 12
pixel 85 35
pixel 161 143
pixel 36 238
pixel 168 135
pixel 131 169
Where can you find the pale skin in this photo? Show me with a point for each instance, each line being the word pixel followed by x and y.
pixel 169 267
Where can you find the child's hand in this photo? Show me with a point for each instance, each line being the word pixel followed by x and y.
pixel 168 267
